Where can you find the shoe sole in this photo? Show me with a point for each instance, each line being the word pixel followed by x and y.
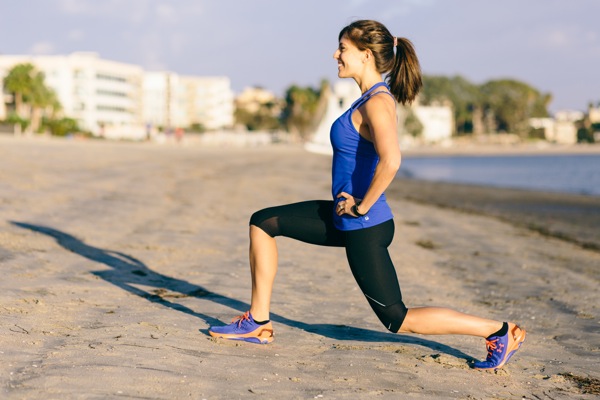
pixel 516 345
pixel 518 342
pixel 264 336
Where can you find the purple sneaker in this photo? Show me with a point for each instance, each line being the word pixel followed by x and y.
pixel 244 328
pixel 501 348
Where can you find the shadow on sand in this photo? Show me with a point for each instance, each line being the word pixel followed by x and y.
pixel 127 271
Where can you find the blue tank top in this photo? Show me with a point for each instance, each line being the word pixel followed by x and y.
pixel 354 162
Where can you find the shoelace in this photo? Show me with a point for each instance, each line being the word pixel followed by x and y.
pixel 491 346
pixel 241 318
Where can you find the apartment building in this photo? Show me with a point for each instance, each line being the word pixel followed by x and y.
pixel 165 101
pixel 96 92
pixel 211 101
pixel 118 100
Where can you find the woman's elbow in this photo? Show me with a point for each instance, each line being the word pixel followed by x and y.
pixel 396 160
pixel 392 164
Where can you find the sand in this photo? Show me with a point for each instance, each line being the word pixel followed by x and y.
pixel 117 257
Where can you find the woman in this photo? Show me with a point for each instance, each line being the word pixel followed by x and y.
pixel 365 161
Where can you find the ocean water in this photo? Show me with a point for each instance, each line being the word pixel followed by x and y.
pixel 578 174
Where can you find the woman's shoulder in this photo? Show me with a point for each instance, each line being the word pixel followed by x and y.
pixel 381 100
pixel 382 95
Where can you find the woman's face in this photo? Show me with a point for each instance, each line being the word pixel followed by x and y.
pixel 349 58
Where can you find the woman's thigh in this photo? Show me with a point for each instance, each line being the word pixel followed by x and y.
pixel 307 221
pixel 370 262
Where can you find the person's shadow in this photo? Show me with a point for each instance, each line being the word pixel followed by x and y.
pixel 127 271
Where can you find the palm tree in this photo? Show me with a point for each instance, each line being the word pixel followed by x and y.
pixel 19 82
pixel 32 97
pixel 42 99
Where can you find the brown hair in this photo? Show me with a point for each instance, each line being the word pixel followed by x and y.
pixel 402 68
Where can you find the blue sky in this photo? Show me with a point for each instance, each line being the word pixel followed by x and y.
pixel 553 45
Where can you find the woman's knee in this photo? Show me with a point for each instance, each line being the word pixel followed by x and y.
pixel 266 221
pixel 258 234
pixel 391 316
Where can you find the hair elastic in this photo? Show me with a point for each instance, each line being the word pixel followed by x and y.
pixel 395 41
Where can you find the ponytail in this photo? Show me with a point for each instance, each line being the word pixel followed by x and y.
pixel 404 79
pixel 404 71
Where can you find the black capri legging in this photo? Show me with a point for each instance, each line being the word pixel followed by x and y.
pixel 366 249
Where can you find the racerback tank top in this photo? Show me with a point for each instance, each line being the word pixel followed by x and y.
pixel 353 167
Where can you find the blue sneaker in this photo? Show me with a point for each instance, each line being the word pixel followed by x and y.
pixel 501 348
pixel 244 328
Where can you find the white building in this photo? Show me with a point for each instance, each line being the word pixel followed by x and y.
pixel 594 114
pixel 118 100
pixel 437 121
pixel 565 129
pixel 175 101
pixel 561 129
pixel 99 94
pixel 164 101
pixel 211 101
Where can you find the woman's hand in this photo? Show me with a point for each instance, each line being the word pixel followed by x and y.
pixel 344 206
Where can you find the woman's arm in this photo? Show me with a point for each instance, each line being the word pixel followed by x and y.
pixel 379 115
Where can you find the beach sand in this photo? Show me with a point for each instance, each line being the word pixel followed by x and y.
pixel 117 257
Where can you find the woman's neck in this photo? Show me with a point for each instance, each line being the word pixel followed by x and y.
pixel 367 82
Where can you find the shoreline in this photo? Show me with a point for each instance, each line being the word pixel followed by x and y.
pixel 566 216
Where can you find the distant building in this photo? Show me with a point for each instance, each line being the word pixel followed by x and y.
pixel 437 121
pixel 210 101
pixel 118 100
pixel 561 129
pixel 594 115
pixel 98 93
pixel 175 101
pixel 253 98
pixel 544 124
pixel 160 99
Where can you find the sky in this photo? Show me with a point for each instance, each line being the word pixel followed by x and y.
pixel 552 45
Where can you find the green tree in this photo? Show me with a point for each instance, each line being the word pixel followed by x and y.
pixel 513 103
pixel 43 100
pixel 195 128
pixel 265 118
pixel 301 104
pixel 412 124
pixel 503 105
pixel 20 82
pixel 61 126
pixel 20 123
pixel 32 98
pixel 585 135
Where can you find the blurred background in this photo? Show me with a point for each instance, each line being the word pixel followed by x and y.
pixel 496 73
